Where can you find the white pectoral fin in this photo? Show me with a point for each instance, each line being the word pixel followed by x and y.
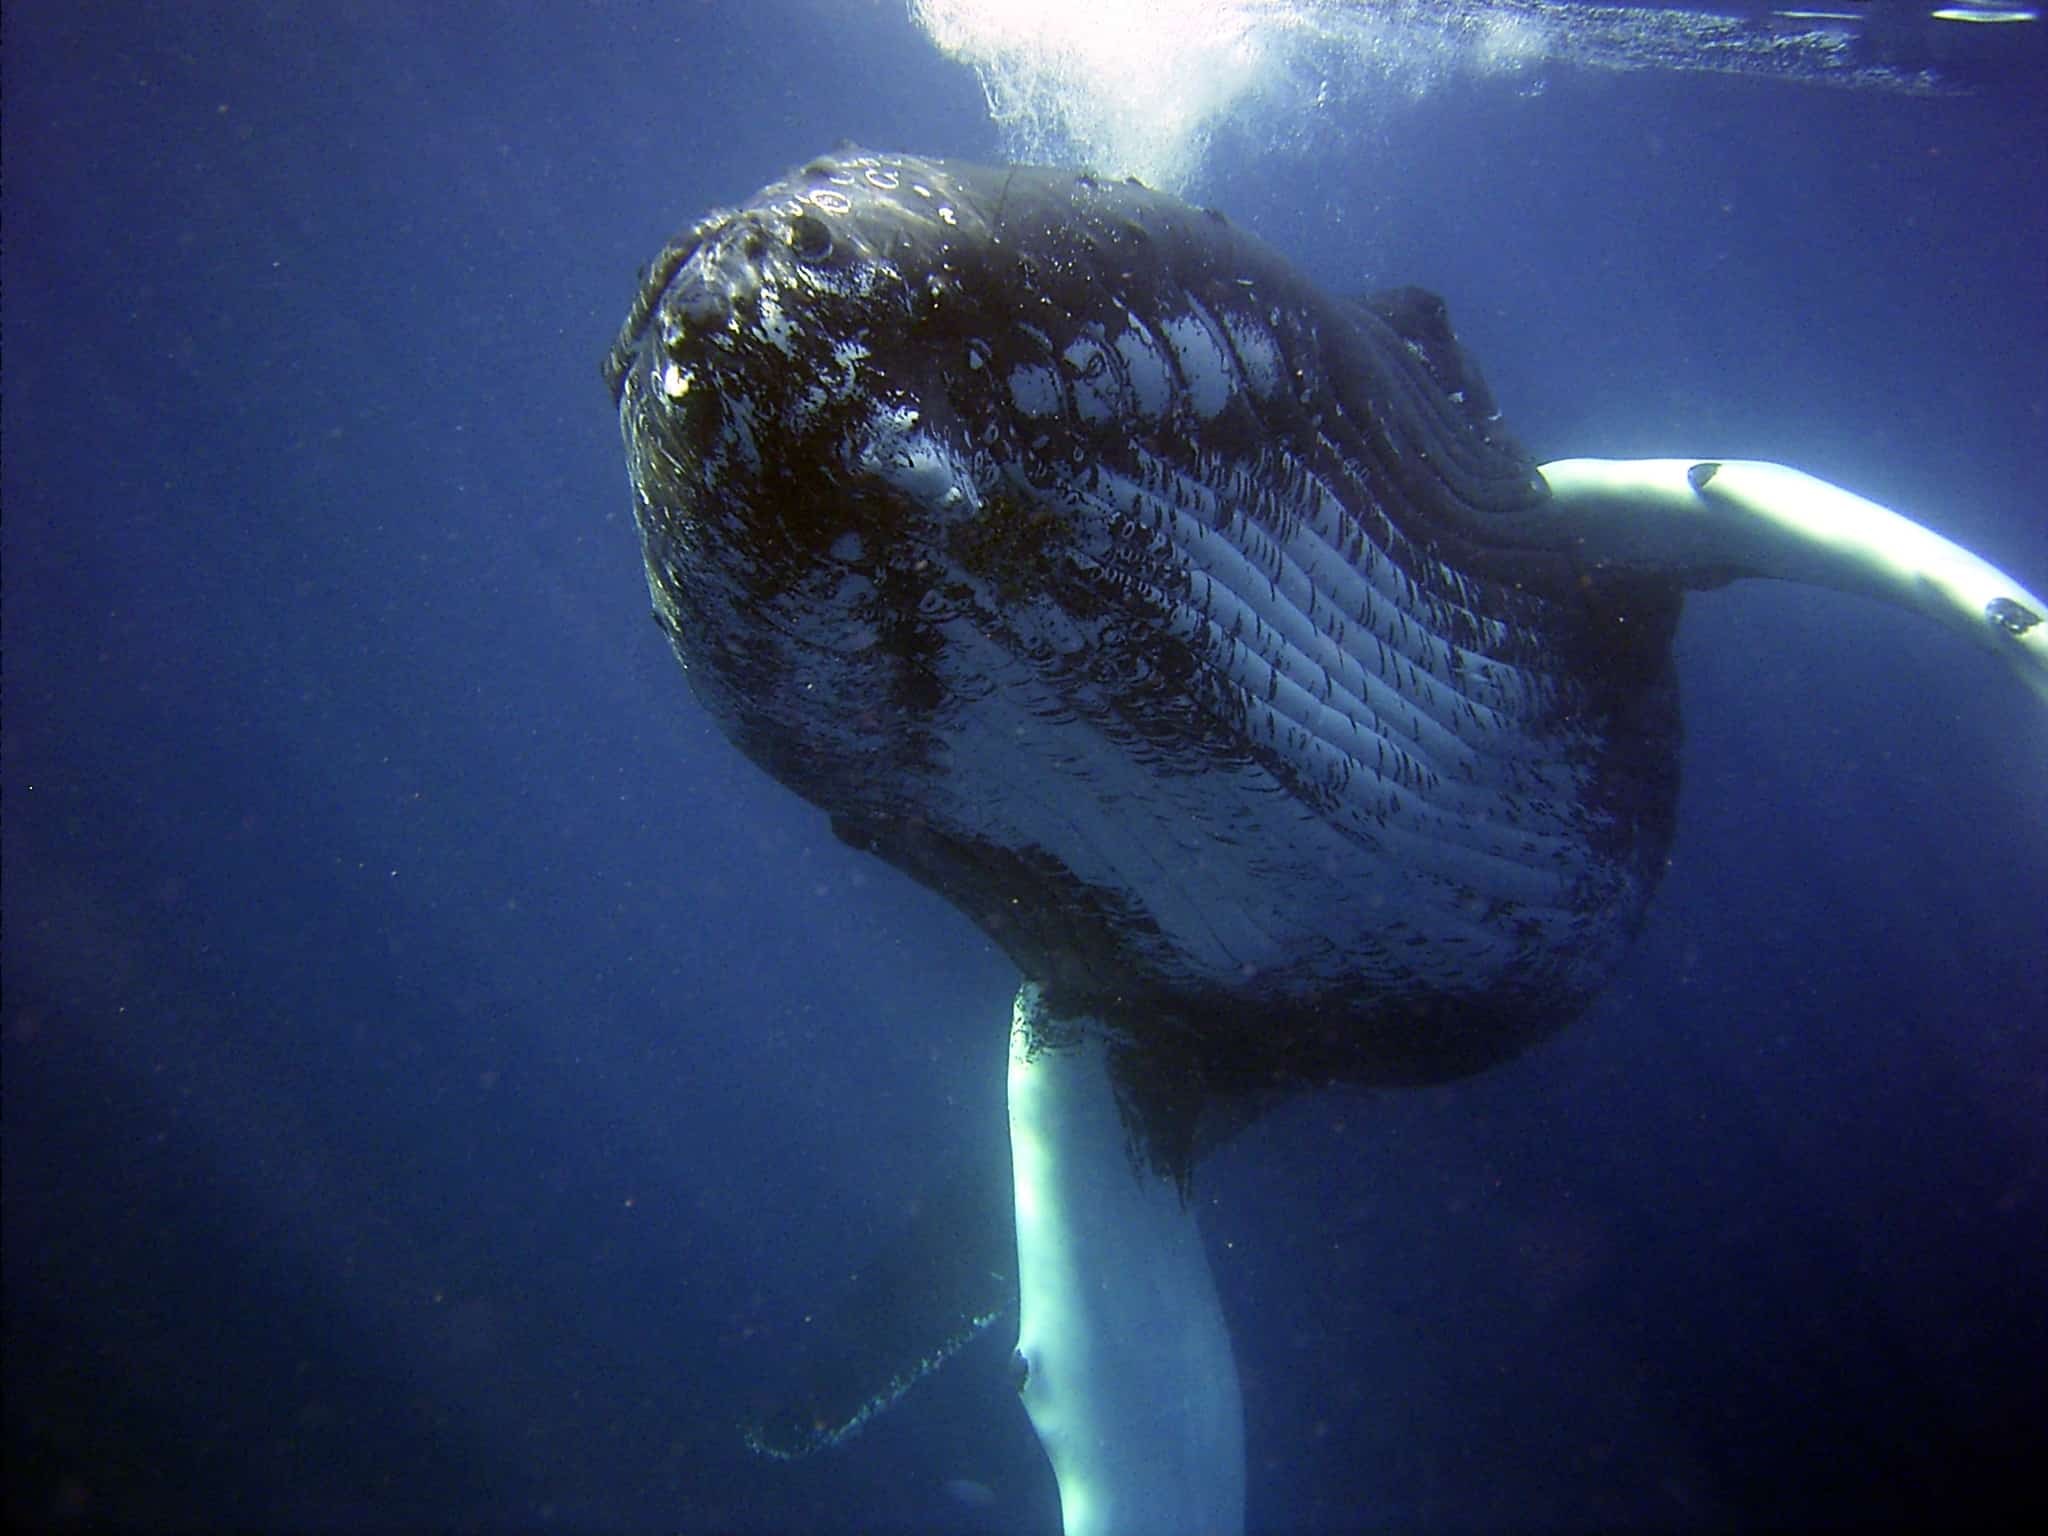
pixel 1702 521
pixel 1127 1370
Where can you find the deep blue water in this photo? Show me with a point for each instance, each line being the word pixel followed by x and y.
pixel 440 1073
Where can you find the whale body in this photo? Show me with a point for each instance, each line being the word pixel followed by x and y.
pixel 1088 563
pixel 1207 640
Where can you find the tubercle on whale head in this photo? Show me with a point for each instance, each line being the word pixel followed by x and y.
pixel 804 487
pixel 916 262
pixel 883 330
pixel 842 246
pixel 780 353
pixel 833 395
pixel 874 404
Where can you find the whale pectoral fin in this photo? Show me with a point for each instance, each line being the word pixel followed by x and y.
pixel 1126 1366
pixel 1701 522
pixel 947 1274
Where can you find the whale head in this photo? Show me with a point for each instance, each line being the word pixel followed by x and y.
pixel 1081 558
pixel 851 403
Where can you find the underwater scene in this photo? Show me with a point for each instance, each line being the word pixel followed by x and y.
pixel 903 765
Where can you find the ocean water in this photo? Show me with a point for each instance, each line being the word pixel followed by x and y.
pixel 441 1075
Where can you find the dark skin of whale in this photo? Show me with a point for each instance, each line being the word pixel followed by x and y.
pixel 1167 613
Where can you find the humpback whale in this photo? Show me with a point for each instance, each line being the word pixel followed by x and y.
pixel 1210 642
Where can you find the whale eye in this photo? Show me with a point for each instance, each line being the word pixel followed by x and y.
pixel 810 238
